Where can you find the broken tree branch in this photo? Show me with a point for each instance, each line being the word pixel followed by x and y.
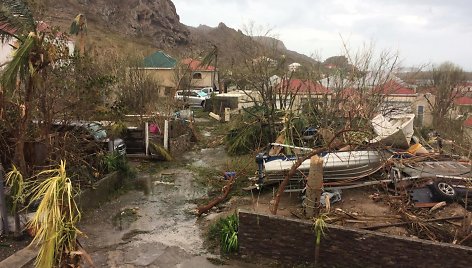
pixel 225 191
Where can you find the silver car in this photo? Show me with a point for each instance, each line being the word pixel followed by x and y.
pixel 191 97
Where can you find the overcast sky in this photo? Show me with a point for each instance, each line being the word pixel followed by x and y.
pixel 422 31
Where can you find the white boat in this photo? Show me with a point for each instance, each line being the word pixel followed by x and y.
pixel 336 165
pixel 395 131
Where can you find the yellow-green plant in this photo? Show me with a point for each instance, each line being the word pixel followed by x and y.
pixel 14 179
pixel 55 220
pixel 319 226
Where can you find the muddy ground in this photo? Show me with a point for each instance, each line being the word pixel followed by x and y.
pixel 156 226
pixel 10 244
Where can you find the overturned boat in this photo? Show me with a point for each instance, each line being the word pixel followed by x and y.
pixel 395 131
pixel 345 166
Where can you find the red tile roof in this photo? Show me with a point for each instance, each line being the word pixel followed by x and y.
pixel 468 122
pixel 394 88
pixel 463 101
pixel 4 27
pixel 196 65
pixel 303 87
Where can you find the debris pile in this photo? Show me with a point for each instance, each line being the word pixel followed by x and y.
pixel 421 185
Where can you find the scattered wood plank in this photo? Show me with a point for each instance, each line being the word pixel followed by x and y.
pixel 215 116
pixel 380 226
pixel 425 205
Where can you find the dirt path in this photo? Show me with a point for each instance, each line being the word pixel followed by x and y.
pixel 159 229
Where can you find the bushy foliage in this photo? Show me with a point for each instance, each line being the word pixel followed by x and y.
pixel 225 230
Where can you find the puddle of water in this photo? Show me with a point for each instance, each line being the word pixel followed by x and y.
pixel 129 235
pixel 123 219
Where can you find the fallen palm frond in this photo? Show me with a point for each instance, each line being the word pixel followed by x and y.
pixel 55 219
pixel 161 151
pixel 246 138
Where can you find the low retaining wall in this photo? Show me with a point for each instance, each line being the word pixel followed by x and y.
pixel 293 241
pixel 92 198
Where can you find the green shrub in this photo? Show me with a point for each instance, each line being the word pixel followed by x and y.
pixel 116 162
pixel 225 230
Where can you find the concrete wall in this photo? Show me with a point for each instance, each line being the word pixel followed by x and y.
pixel 206 81
pixel 164 77
pixel 94 197
pixel 422 100
pixel 5 52
pixel 293 241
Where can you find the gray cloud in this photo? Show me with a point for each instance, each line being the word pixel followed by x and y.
pixel 423 31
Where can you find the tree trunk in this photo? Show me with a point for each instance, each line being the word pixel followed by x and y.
pixel 19 156
pixel 314 184
pixel 3 207
pixel 332 143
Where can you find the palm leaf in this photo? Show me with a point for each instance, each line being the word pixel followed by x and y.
pixel 79 24
pixel 19 63
pixel 16 19
pixel 56 218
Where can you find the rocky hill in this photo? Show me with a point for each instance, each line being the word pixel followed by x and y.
pixel 228 42
pixel 155 24
pixel 156 20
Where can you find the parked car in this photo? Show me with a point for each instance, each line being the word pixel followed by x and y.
pixel 210 90
pixel 92 132
pixel 192 97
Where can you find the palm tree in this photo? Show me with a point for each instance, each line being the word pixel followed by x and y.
pixel 21 75
pixel 79 28
pixel 55 221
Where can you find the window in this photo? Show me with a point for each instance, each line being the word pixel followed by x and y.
pixel 420 115
pixel 197 76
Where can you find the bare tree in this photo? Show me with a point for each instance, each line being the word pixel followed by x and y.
pixel 446 86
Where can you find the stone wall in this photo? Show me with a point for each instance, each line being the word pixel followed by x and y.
pixel 293 241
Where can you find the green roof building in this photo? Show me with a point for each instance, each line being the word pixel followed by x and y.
pixel 159 60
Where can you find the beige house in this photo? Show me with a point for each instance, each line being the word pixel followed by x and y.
pixel 300 93
pixel 201 76
pixel 171 75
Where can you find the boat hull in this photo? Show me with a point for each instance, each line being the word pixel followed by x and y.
pixel 336 166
